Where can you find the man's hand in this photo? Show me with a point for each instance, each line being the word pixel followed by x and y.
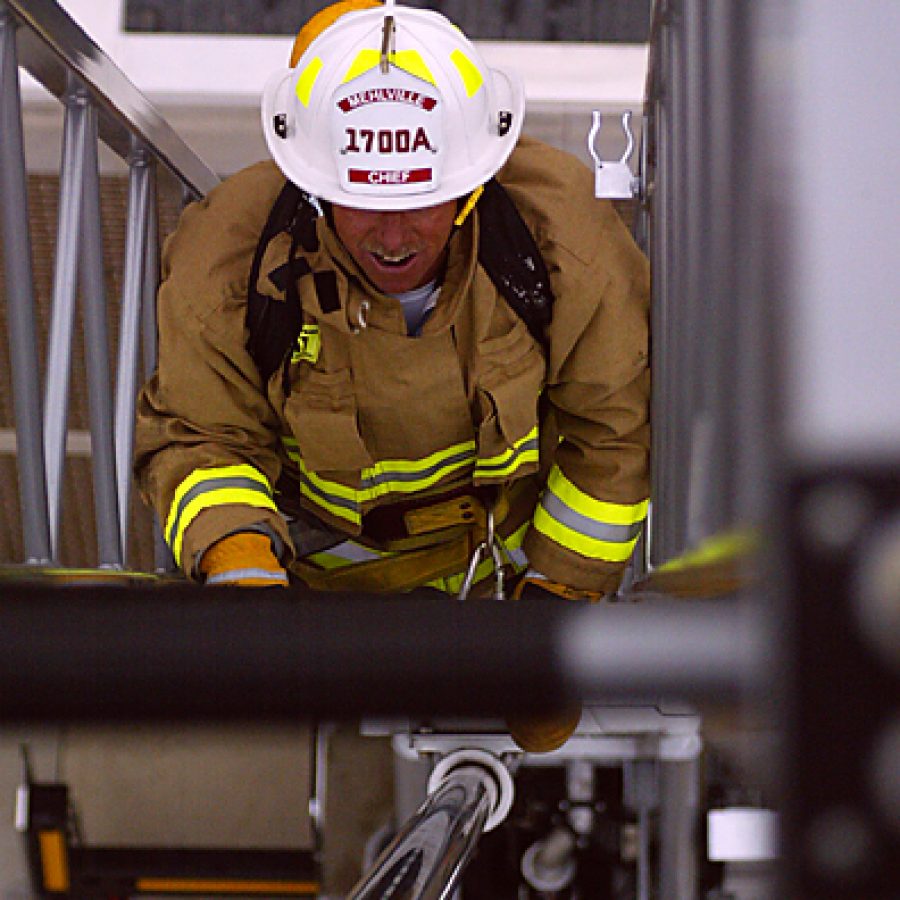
pixel 244 559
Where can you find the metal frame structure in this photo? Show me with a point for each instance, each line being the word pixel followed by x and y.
pixel 723 273
pixel 100 104
pixel 710 445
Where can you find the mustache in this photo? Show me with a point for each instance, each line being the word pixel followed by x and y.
pixel 399 252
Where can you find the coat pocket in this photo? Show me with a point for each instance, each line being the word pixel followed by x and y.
pixel 321 412
pixel 509 385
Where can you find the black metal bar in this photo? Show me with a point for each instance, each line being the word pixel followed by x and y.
pixel 107 653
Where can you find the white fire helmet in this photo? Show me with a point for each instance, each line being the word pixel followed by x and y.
pixel 391 108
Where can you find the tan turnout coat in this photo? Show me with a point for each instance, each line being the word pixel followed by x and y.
pixel 369 416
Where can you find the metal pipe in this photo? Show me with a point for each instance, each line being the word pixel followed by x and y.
pixel 62 320
pixel 179 652
pixel 96 347
pixel 23 342
pixel 426 859
pixel 55 47
pixel 133 287
pixel 678 828
pixel 151 276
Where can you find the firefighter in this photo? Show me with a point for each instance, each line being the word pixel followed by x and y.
pixel 412 331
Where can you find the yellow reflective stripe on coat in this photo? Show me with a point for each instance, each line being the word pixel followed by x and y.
pixel 596 529
pixel 207 488
pixel 389 476
pixel 523 451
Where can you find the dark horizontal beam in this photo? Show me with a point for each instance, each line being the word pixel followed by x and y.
pixel 108 653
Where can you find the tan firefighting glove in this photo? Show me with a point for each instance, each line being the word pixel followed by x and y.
pixel 548 732
pixel 244 559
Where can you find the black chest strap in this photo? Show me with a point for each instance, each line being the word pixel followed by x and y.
pixel 507 251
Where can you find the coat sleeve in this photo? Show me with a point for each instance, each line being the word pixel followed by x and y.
pixel 595 427
pixel 206 447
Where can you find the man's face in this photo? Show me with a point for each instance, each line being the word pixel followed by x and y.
pixel 398 251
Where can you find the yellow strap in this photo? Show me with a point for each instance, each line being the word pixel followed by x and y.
pixel 401 572
pixel 442 566
pixel 469 206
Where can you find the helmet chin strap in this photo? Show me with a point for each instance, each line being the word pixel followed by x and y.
pixel 468 206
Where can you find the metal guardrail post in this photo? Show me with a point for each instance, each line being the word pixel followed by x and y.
pixel 133 304
pixel 79 252
pixel 97 360
pixel 100 104
pixel 23 344
pixel 62 321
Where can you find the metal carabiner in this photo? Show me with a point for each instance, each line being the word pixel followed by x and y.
pixel 362 318
pixel 489 548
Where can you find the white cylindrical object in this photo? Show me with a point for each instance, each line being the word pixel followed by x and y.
pixel 500 781
pixel 742 834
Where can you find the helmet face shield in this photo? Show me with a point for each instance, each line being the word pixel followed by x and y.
pixel 376 125
pixel 388 134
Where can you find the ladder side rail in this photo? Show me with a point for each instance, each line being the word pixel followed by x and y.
pixel 23 341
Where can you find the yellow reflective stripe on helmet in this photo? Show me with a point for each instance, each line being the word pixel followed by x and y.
pixel 596 529
pixel 207 488
pixel 389 476
pixel 367 58
pixel 524 450
pixel 470 74
pixel 307 80
pixel 411 61
pixel 408 60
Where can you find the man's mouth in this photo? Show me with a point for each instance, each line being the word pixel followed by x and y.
pixel 392 260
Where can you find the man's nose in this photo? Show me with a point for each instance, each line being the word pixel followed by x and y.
pixel 391 229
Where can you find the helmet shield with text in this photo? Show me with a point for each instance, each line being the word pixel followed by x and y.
pixel 391 108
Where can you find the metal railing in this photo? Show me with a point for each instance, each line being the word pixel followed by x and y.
pixel 100 104
pixel 709 454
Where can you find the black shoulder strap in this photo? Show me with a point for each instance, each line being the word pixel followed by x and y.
pixel 506 249
pixel 509 254
pixel 272 326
